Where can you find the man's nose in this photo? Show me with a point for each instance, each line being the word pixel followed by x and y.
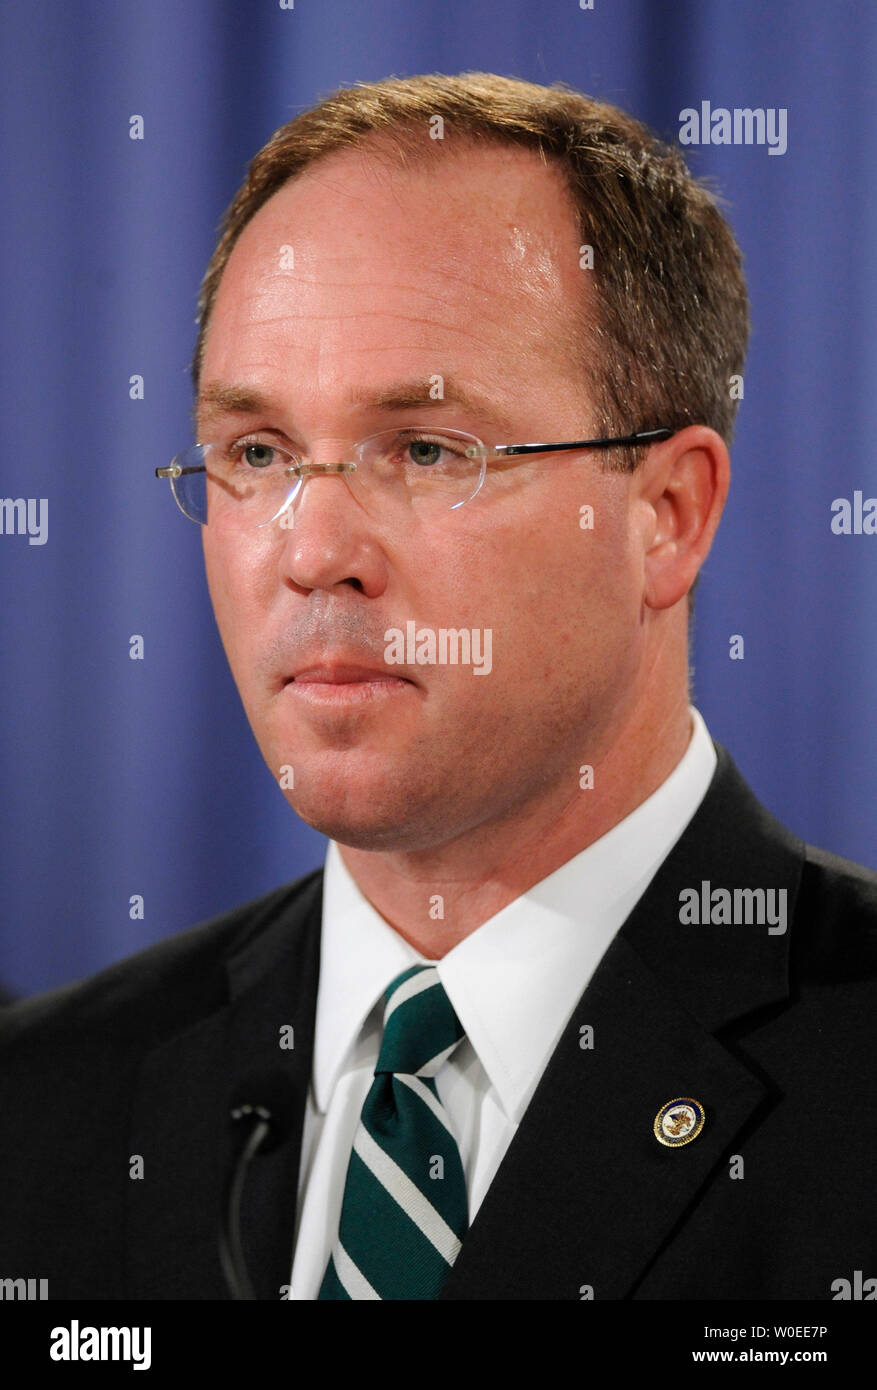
pixel 331 538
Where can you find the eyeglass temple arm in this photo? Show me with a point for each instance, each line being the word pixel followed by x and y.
pixel 176 471
pixel 480 451
pixel 505 450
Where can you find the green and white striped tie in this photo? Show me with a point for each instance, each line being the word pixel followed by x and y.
pixel 404 1212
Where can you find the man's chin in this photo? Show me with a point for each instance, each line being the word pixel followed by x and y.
pixel 371 827
pixel 374 797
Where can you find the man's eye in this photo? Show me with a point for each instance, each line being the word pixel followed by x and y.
pixel 257 455
pixel 424 452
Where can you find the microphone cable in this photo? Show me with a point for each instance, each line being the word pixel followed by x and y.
pixel 261 1127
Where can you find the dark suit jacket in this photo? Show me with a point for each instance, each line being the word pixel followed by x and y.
pixel 774 1034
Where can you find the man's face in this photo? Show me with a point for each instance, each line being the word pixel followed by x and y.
pixel 465 268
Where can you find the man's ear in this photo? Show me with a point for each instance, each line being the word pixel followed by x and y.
pixel 681 490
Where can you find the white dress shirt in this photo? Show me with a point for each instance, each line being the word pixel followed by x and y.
pixel 513 982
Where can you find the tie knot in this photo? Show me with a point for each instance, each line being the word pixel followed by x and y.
pixel 421 1029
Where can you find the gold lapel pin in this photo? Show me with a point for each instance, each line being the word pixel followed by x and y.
pixel 679 1121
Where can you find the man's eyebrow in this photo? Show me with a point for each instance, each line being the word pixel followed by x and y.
pixel 415 395
pixel 220 398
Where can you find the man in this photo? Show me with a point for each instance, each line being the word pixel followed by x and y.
pixel 568 1015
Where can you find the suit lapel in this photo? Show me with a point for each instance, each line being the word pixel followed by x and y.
pixel 180 1122
pixel 586 1196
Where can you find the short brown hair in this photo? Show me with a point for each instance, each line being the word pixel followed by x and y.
pixel 668 323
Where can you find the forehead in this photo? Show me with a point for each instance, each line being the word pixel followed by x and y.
pixel 466 259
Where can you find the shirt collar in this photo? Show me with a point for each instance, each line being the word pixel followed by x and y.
pixel 360 954
pixel 515 981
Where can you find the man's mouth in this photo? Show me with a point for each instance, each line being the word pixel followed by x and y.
pixel 341 674
pixel 343 683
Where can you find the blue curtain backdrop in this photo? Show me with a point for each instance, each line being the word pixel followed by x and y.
pixel 123 777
